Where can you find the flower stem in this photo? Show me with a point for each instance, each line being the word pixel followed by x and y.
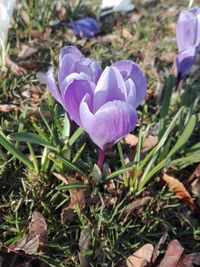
pixel 101 157
pixel 178 79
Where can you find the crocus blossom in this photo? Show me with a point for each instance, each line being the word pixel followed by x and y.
pixel 6 11
pixel 188 39
pixel 104 107
pixel 116 6
pixel 86 27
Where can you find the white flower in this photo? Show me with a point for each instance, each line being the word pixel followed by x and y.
pixel 109 6
pixel 6 11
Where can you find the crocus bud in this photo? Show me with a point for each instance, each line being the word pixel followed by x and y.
pixel 86 27
pixel 188 39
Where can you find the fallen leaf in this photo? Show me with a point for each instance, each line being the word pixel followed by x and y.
pixel 25 17
pixel 126 34
pixel 156 251
pixel 84 241
pixel 38 227
pixel 149 143
pixel 178 188
pixel 172 255
pixel 195 188
pixel 7 107
pixel 30 64
pixel 27 51
pixel 131 140
pixel 36 237
pixel 194 175
pixel 141 257
pixel 28 244
pixel 136 204
pixel 15 69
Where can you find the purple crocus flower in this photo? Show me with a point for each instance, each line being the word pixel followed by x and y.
pixel 106 109
pixel 71 61
pixel 86 27
pixel 188 39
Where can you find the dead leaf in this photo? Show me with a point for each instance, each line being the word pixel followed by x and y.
pixel 178 188
pixel 131 140
pixel 7 107
pixel 137 204
pixel 38 227
pixel 25 17
pixel 194 175
pixel 141 257
pixel 30 64
pixel 190 260
pixel 27 51
pixel 15 69
pixel 156 251
pixel 196 188
pixel 149 143
pixel 77 196
pixel 84 241
pixel 36 237
pixel 28 244
pixel 172 255
pixel 60 177
pixel 126 34
pixel 41 35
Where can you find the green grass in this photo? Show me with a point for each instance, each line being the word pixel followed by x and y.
pixel 34 145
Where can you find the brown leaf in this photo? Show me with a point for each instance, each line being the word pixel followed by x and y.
pixel 141 257
pixel 178 188
pixel 131 140
pixel 25 17
pixel 38 227
pixel 37 236
pixel 60 177
pixel 156 251
pixel 172 255
pixel 27 51
pixel 149 143
pixel 195 188
pixel 189 260
pixel 28 244
pixel 84 241
pixel 7 107
pixel 136 204
pixel 30 64
pixel 126 34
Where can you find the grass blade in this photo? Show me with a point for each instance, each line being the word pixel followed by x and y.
pixel 15 152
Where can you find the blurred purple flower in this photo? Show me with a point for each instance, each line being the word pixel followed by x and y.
pixel 106 108
pixel 86 27
pixel 188 39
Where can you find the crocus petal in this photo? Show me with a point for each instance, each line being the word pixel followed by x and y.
pixel 90 67
pixel 110 86
pixel 77 86
pixel 66 67
pixel 185 60
pixel 50 82
pixel 131 92
pixel 86 27
pixel 110 123
pixel 186 30
pixel 130 70
pixel 72 50
pixel 115 6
